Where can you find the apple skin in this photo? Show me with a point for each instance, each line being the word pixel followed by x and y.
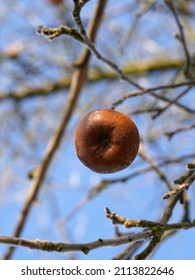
pixel 106 141
pixel 55 2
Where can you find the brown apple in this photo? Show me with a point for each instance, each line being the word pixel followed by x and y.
pixel 55 2
pixel 106 141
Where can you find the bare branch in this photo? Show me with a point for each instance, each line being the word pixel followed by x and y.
pixel 64 247
pixel 191 166
pixel 158 231
pixel 155 167
pixel 157 228
pixel 52 33
pixel 129 223
pixel 181 36
pixel 179 130
pixel 136 93
pixel 172 102
pixel 183 187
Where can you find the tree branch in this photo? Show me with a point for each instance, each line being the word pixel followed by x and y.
pixel 155 167
pixel 181 36
pixel 129 223
pixel 65 247
pixel 159 230
pixel 179 130
pixel 183 187
pixel 136 93
pixel 54 32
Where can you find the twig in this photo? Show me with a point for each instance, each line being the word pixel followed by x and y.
pixel 169 209
pixel 165 236
pixel 178 130
pixel 92 48
pixel 181 36
pixel 158 231
pixel 129 223
pixel 157 228
pixel 191 166
pixel 156 168
pixel 183 187
pixel 78 4
pixel 65 247
pixel 171 102
pixel 183 177
pixel 142 10
pixel 54 32
pixel 114 66
pixel 136 93
pixel 78 80
pixel 127 253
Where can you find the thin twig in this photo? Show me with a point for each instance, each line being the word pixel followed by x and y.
pixel 171 102
pixel 183 187
pixel 54 32
pixel 142 11
pixel 179 130
pixel 129 223
pixel 78 5
pixel 92 48
pixel 181 36
pixel 136 93
pixel 155 167
pixel 127 253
